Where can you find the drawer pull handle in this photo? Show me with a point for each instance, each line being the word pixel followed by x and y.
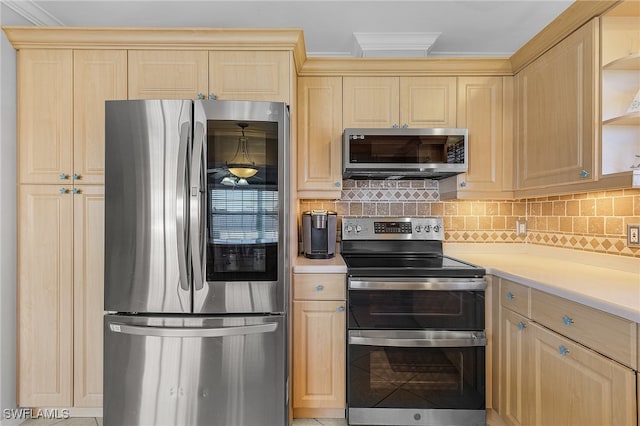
pixel 566 320
pixel 319 287
pixel 510 296
pixel 563 351
pixel 340 309
pixel 521 326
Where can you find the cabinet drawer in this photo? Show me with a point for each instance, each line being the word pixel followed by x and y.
pixel 608 334
pixel 515 297
pixel 319 286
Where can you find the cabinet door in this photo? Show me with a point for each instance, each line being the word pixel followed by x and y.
pixel 45 262
pixel 319 358
pixel 557 113
pixel 250 75
pixel 371 102
pixel 428 101
pixel 481 110
pixel 515 346
pixel 167 74
pixel 572 385
pixel 45 111
pixel 88 295
pixel 99 75
pixel 319 137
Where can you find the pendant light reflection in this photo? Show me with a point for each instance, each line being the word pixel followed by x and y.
pixel 240 165
pixel 233 181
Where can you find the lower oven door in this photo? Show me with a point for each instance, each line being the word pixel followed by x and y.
pixel 416 377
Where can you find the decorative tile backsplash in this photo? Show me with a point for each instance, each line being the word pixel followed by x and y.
pixel 595 221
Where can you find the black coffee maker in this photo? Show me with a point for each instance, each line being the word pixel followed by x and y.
pixel 319 234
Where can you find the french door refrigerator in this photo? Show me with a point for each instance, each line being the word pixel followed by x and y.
pixel 196 263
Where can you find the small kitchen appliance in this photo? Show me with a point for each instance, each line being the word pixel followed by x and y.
pixel 319 234
pixel 416 332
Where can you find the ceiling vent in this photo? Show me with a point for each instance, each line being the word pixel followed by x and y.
pixel 393 45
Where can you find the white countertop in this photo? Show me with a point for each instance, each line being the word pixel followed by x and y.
pixel 605 282
pixel 335 265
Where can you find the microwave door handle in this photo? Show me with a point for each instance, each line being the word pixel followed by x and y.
pixel 419 342
pixel 154 331
pixel 195 222
pixel 182 202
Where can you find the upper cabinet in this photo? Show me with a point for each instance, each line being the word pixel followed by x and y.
pixel 557 113
pixel 320 137
pixel 250 75
pixel 61 112
pixel 167 74
pixel 399 102
pixel 620 53
pixel 485 106
pixel 235 75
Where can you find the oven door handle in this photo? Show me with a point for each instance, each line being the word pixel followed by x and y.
pixel 418 339
pixel 446 284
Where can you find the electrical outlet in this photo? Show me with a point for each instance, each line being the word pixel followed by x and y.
pixel 633 235
pixel 521 227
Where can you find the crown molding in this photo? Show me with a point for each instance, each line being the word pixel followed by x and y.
pixel 33 13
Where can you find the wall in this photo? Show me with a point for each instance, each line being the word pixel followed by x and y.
pixel 7 226
pixel 593 221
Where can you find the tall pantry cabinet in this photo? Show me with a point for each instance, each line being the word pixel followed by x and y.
pixel 61 94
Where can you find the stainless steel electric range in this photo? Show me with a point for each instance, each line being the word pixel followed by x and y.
pixel 416 326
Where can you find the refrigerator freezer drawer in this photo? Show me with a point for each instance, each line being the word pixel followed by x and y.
pixel 178 370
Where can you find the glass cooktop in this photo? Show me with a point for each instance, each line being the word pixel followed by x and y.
pixel 426 266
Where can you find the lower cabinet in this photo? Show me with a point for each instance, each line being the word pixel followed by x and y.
pixel 319 351
pixel 549 379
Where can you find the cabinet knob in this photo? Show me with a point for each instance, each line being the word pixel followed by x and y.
pixel 75 191
pixel 405 126
pixel 319 287
pixel 584 174
pixel 63 190
pixel 340 309
pixel 63 176
pixel 337 184
pixel 567 320
pixel 509 296
pixel 212 96
pixel 563 351
pixel 521 326
pixel 75 176
pixel 201 96
pixel 395 126
pixel 463 184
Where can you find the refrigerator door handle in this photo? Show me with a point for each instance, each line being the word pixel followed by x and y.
pixel 195 222
pixel 192 331
pixel 182 202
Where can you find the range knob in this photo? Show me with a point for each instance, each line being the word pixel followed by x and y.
pixel 358 228
pixel 418 228
pixel 436 228
pixel 349 228
pixel 427 228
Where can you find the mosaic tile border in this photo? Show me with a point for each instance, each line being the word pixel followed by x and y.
pixel 594 243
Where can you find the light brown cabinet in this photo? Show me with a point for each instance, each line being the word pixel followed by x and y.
pixel 399 101
pixel 485 106
pixel 548 378
pixel 557 113
pixel 61 222
pixel 319 345
pixel 320 137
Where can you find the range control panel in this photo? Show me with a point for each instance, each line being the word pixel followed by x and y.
pixel 392 228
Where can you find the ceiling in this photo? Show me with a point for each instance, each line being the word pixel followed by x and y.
pixel 474 28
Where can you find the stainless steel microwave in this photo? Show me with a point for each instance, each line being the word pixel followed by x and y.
pixel 404 153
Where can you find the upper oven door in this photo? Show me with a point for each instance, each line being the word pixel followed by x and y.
pixel 445 304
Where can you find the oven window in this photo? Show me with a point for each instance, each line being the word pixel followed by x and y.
pixel 419 378
pixel 400 309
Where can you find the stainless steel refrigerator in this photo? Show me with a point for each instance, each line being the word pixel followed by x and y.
pixel 196 263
